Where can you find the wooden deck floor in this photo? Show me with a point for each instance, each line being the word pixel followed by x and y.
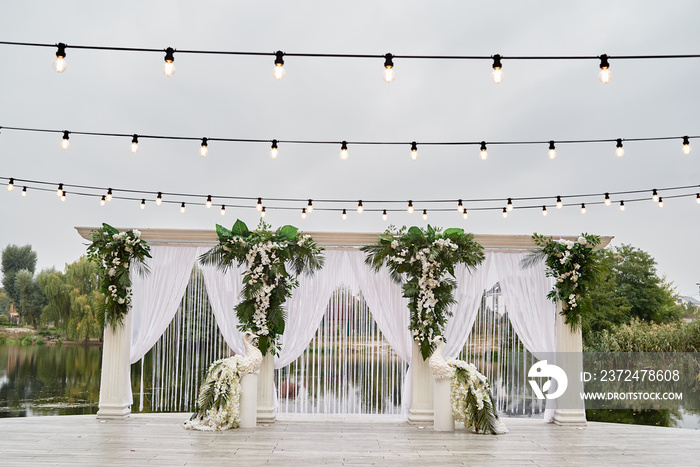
pixel 157 439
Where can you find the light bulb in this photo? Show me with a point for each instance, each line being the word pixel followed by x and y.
pixel 344 150
pixel 388 73
pixel 303 213
pixel 465 216
pixel 60 189
pixel 552 153
pixel 204 149
pixel 143 204
pixel 484 155
pixel 135 144
pixel 661 202
pixel 223 210
pixel 654 196
pixel 505 213
pixel 344 215
pixel 65 144
pixel 622 205
pixel 425 215
pixel 11 184
pixel 686 145
pixel 63 195
pixel 607 199
pixel 559 203
pixel 497 73
pixel 279 72
pixel 360 208
pixel 159 198
pixel 544 211
pixel 310 207
pixel 410 207
pixel 24 192
pixel 59 65
pixel 385 216
pixel 697 198
pixel 460 207
pixel 103 200
pixel 208 204
pixel 262 212
pixel 109 194
pixel 182 208
pixel 273 151
pixel 510 204
pixel 604 74
pixel 259 205
pixel 414 151
pixel 169 66
pixel 583 208
pixel 619 151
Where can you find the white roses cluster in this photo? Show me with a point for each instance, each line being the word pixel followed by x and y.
pixel 476 384
pixel 573 273
pixel 258 261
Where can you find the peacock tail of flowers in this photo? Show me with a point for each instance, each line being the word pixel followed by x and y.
pixel 472 402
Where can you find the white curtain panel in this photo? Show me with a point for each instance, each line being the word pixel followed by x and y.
pixel 223 290
pixel 470 288
pixel 157 296
pixel 531 313
pixel 308 304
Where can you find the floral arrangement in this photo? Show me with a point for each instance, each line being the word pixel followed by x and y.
pixel 218 403
pixel 267 283
pixel 574 266
pixel 115 253
pixel 426 258
pixel 472 402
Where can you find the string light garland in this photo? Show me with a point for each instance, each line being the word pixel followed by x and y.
pixel 388 75
pixel 619 150
pixel 436 205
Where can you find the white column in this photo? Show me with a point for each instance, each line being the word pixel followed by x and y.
pixel 266 380
pixel 115 381
pixel 249 400
pixel 570 409
pixel 421 410
pixel 444 420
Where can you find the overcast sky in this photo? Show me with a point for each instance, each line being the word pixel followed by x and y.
pixel 346 99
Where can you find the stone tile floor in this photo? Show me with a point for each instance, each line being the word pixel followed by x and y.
pixel 157 439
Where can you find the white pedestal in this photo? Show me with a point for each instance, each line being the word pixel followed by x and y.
pixel 266 380
pixel 442 405
pixel 421 411
pixel 115 380
pixel 570 409
pixel 249 401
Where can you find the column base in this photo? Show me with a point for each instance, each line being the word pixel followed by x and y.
pixel 570 417
pixel 113 412
pixel 442 405
pixel 266 415
pixel 421 417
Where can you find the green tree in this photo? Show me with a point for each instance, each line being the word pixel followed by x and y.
pixel 31 298
pixel 4 303
pixel 605 307
pixel 14 259
pixel 83 323
pixel 57 293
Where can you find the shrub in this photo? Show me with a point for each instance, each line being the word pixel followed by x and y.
pixel 642 336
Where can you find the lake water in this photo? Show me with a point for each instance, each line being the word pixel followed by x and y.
pixel 65 380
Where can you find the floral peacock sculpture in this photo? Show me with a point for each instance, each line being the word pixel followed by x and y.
pixel 218 404
pixel 471 397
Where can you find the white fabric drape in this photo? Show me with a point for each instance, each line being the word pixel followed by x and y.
pixel 470 289
pixel 531 313
pixel 223 290
pixel 307 305
pixel 157 296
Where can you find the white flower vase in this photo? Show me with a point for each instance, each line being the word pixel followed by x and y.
pixel 249 400
pixel 442 405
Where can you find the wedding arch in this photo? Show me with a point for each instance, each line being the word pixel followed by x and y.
pixel 156 298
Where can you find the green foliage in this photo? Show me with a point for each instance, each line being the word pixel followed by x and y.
pixel 57 309
pixel 14 259
pixel 31 299
pixel 641 336
pixel 114 253
pixel 267 284
pixel 430 291
pixel 485 419
pixel 574 266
